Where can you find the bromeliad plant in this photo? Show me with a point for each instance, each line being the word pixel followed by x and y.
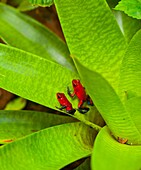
pixel 35 64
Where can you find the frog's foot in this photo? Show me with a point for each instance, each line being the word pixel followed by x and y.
pixel 83 110
pixel 89 101
pixel 71 111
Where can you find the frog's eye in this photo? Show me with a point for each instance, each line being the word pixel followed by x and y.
pixel 75 83
pixel 59 95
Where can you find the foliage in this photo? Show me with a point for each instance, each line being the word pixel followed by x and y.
pixel 131 8
pixel 41 2
pixel 37 64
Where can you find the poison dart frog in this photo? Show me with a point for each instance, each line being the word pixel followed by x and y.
pixel 80 92
pixel 65 103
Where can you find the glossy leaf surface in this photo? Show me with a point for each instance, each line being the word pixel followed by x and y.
pixel 32 77
pixel 29 35
pixel 93 35
pixel 129 26
pixel 51 148
pixel 116 156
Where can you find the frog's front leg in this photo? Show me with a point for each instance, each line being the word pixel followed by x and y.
pixel 69 92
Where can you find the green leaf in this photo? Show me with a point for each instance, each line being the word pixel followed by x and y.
pixel 131 8
pixel 37 40
pixel 129 26
pixel 52 148
pixel 116 156
pixel 93 35
pixel 133 106
pixel 16 104
pixel 109 105
pixel 130 79
pixel 32 77
pixel 16 124
pixel 42 2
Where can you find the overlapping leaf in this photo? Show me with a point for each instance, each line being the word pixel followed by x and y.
pixel 84 166
pixel 52 148
pixel 131 8
pixel 130 76
pixel 16 124
pixel 129 26
pixel 93 35
pixel 109 105
pixel 31 36
pixel 116 156
pixel 32 77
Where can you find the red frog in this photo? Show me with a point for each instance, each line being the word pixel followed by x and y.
pixel 80 92
pixel 65 103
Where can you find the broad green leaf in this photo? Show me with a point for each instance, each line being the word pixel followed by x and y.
pixel 16 124
pixel 16 104
pixel 84 166
pixel 130 79
pixel 29 35
pixel 131 8
pixel 129 26
pixel 32 77
pixel 93 35
pixel 109 105
pixel 109 154
pixel 51 148
pixel 133 106
pixel 41 2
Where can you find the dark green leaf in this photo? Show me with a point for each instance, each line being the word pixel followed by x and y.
pixel 84 166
